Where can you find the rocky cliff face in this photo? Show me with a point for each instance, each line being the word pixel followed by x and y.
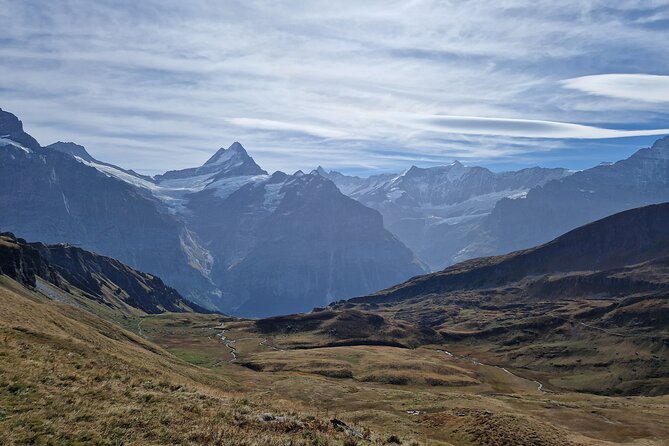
pixel 101 278
pixel 23 263
pixel 291 242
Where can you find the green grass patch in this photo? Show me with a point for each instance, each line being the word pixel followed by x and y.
pixel 193 357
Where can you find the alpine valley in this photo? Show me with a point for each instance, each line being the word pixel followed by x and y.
pixel 232 237
pixel 130 315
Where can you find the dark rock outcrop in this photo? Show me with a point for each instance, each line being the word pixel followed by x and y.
pixel 102 278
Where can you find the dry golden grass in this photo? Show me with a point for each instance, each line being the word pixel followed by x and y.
pixel 497 408
pixel 362 363
pixel 70 378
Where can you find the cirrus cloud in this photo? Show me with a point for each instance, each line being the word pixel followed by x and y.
pixel 161 84
pixel 529 128
pixel 634 87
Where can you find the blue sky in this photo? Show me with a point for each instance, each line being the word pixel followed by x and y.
pixel 355 86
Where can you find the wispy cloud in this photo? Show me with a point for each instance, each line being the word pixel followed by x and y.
pixel 162 84
pixel 634 87
pixel 529 128
pixel 282 126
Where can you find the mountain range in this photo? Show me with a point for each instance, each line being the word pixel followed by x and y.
pixel 536 346
pixel 448 214
pixel 232 237
pixel 226 234
pixel 436 210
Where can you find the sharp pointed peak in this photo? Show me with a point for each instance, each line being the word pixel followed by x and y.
pixel 225 163
pixel 237 147
pixel 223 155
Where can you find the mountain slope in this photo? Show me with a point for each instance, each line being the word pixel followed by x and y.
pixel 627 238
pixel 49 196
pixel 80 153
pixel 587 312
pixel 288 243
pixel 70 377
pixel 564 204
pixel 75 271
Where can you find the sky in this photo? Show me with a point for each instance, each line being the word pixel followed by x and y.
pixel 356 86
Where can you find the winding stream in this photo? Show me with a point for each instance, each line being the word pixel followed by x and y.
pixel 229 342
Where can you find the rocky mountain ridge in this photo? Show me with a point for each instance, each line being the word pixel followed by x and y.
pixel 432 209
pixel 205 230
pixel 96 277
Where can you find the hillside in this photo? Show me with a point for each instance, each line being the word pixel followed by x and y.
pixel 69 377
pixel 628 238
pixel 62 271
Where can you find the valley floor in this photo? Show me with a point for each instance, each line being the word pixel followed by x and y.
pixel 428 394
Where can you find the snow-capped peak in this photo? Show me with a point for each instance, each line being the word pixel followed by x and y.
pixel 449 172
pixel 226 163
pixel 223 156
